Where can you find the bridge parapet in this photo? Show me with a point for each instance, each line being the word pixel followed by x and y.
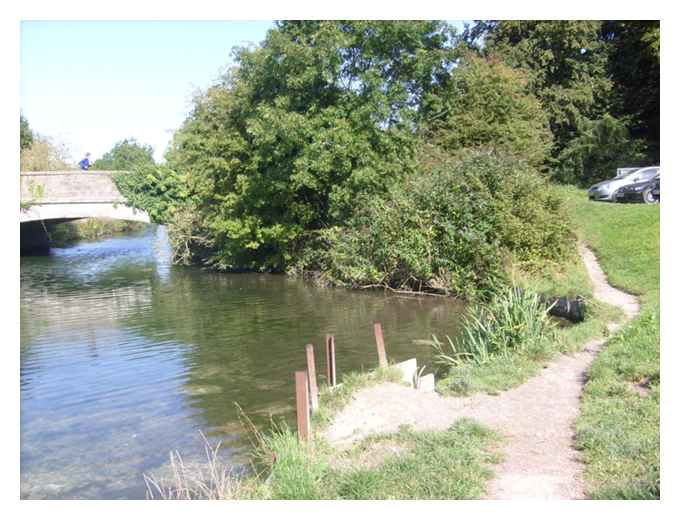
pixel 60 187
pixel 70 195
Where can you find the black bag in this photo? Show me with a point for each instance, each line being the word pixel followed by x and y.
pixel 572 310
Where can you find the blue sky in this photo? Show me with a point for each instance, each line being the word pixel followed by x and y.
pixel 91 84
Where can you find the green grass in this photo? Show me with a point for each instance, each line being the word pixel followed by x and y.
pixel 454 464
pixel 625 238
pixel 497 375
pixel 296 470
pixel 618 429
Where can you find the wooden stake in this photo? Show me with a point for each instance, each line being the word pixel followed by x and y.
pixel 380 343
pixel 311 371
pixel 330 360
pixel 302 405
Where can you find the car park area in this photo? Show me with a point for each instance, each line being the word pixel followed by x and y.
pixel 630 185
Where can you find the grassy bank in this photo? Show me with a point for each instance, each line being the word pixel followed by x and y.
pixel 454 464
pixel 618 429
pixel 91 229
pixel 567 278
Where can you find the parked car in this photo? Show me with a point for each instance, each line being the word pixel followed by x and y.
pixel 648 192
pixel 605 190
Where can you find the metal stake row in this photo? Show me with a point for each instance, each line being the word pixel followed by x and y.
pixel 306 388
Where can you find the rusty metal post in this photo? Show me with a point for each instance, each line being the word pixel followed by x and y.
pixel 330 360
pixel 302 405
pixel 380 343
pixel 311 371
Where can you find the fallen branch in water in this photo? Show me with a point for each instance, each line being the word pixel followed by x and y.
pixel 402 291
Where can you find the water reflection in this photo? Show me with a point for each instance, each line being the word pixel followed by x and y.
pixel 125 357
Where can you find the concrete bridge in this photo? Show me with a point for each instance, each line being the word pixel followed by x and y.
pixel 48 198
pixel 71 195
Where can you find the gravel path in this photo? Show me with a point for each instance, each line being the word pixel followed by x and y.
pixel 536 418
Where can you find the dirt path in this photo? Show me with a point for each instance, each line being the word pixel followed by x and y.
pixel 536 418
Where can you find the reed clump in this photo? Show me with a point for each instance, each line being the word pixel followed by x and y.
pixel 514 323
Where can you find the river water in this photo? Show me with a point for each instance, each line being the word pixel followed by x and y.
pixel 125 357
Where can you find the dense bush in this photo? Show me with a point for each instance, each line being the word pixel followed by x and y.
pixel 190 240
pixel 449 228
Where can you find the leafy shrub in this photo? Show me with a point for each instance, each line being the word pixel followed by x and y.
pixel 158 190
pixel 448 229
pixel 514 322
pixel 189 240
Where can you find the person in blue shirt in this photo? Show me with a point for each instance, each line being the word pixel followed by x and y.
pixel 85 163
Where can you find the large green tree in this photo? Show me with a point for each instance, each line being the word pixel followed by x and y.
pixel 321 112
pixel 634 65
pixel 565 63
pixel 125 155
pixel 486 104
pixel 598 82
pixel 599 148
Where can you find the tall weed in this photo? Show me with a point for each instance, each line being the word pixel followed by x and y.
pixel 213 480
pixel 514 322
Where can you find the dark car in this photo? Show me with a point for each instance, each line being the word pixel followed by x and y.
pixel 647 191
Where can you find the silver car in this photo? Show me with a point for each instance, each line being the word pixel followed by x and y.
pixel 605 190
